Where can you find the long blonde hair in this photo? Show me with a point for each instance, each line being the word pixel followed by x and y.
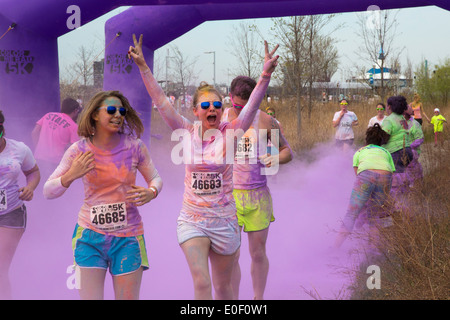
pixel 416 100
pixel 132 125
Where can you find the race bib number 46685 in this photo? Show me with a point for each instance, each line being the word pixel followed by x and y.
pixel 109 217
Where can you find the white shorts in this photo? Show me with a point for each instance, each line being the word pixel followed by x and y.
pixel 224 233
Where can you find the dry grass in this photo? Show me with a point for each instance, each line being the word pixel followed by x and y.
pixel 318 127
pixel 415 252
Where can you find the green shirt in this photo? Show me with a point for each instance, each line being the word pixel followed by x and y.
pixel 373 157
pixel 415 132
pixel 397 127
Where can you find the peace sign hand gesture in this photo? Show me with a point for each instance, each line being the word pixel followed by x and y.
pixel 270 62
pixel 137 54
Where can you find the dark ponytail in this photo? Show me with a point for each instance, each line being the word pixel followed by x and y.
pixel 376 135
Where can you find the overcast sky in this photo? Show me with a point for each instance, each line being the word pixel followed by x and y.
pixel 422 32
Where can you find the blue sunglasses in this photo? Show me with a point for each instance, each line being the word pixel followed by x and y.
pixel 206 104
pixel 113 110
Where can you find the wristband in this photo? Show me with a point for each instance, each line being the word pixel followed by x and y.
pixel 155 191
pixel 145 71
pixel 265 75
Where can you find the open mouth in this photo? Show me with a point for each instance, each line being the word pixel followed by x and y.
pixel 211 119
pixel 116 122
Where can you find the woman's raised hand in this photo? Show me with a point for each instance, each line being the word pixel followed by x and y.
pixel 270 62
pixel 137 54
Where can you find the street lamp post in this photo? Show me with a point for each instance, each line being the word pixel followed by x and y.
pixel 167 67
pixel 214 65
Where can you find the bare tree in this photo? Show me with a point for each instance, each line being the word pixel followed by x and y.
pixel 183 70
pixel 245 47
pixel 291 34
pixel 322 55
pixel 377 32
pixel 78 78
pixel 307 55
pixel 83 68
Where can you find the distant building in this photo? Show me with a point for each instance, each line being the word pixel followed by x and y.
pixel 98 73
pixel 333 91
pixel 391 78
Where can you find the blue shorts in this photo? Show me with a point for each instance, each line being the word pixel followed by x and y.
pixel 122 255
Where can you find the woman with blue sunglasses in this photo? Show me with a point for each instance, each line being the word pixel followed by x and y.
pixel 207 225
pixel 109 232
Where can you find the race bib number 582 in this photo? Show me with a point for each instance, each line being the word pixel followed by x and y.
pixel 109 217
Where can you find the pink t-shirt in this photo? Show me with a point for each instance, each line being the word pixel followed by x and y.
pixel 208 184
pixel 105 209
pixel 58 131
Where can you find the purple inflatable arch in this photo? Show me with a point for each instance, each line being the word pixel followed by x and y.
pixel 29 72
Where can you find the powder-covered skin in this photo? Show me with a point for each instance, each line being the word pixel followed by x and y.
pixel 113 175
pixel 218 203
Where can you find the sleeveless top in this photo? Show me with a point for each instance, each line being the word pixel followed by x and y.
pixel 416 109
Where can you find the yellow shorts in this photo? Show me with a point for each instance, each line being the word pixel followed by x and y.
pixel 254 208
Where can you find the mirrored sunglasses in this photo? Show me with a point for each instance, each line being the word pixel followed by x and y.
pixel 237 106
pixel 113 109
pixel 270 113
pixel 379 109
pixel 206 104
pixel 343 103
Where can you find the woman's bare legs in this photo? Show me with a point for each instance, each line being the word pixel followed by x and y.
pixel 127 287
pixel 92 283
pixel 260 263
pixel 9 240
pixel 196 251
pixel 222 269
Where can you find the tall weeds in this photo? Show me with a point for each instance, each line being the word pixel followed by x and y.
pixel 414 254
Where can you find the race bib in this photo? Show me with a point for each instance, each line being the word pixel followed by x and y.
pixel 3 200
pixel 246 148
pixel 206 183
pixel 109 217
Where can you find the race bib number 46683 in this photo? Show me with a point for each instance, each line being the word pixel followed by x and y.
pixel 206 183
pixel 109 217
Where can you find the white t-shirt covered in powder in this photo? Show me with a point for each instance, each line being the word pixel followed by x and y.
pixel 14 159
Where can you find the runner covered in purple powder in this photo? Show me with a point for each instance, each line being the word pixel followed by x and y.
pixel 373 167
pixel 16 159
pixel 251 192
pixel 414 169
pixel 207 224
pixel 109 232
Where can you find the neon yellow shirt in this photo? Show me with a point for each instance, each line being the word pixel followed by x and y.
pixel 438 122
pixel 373 157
